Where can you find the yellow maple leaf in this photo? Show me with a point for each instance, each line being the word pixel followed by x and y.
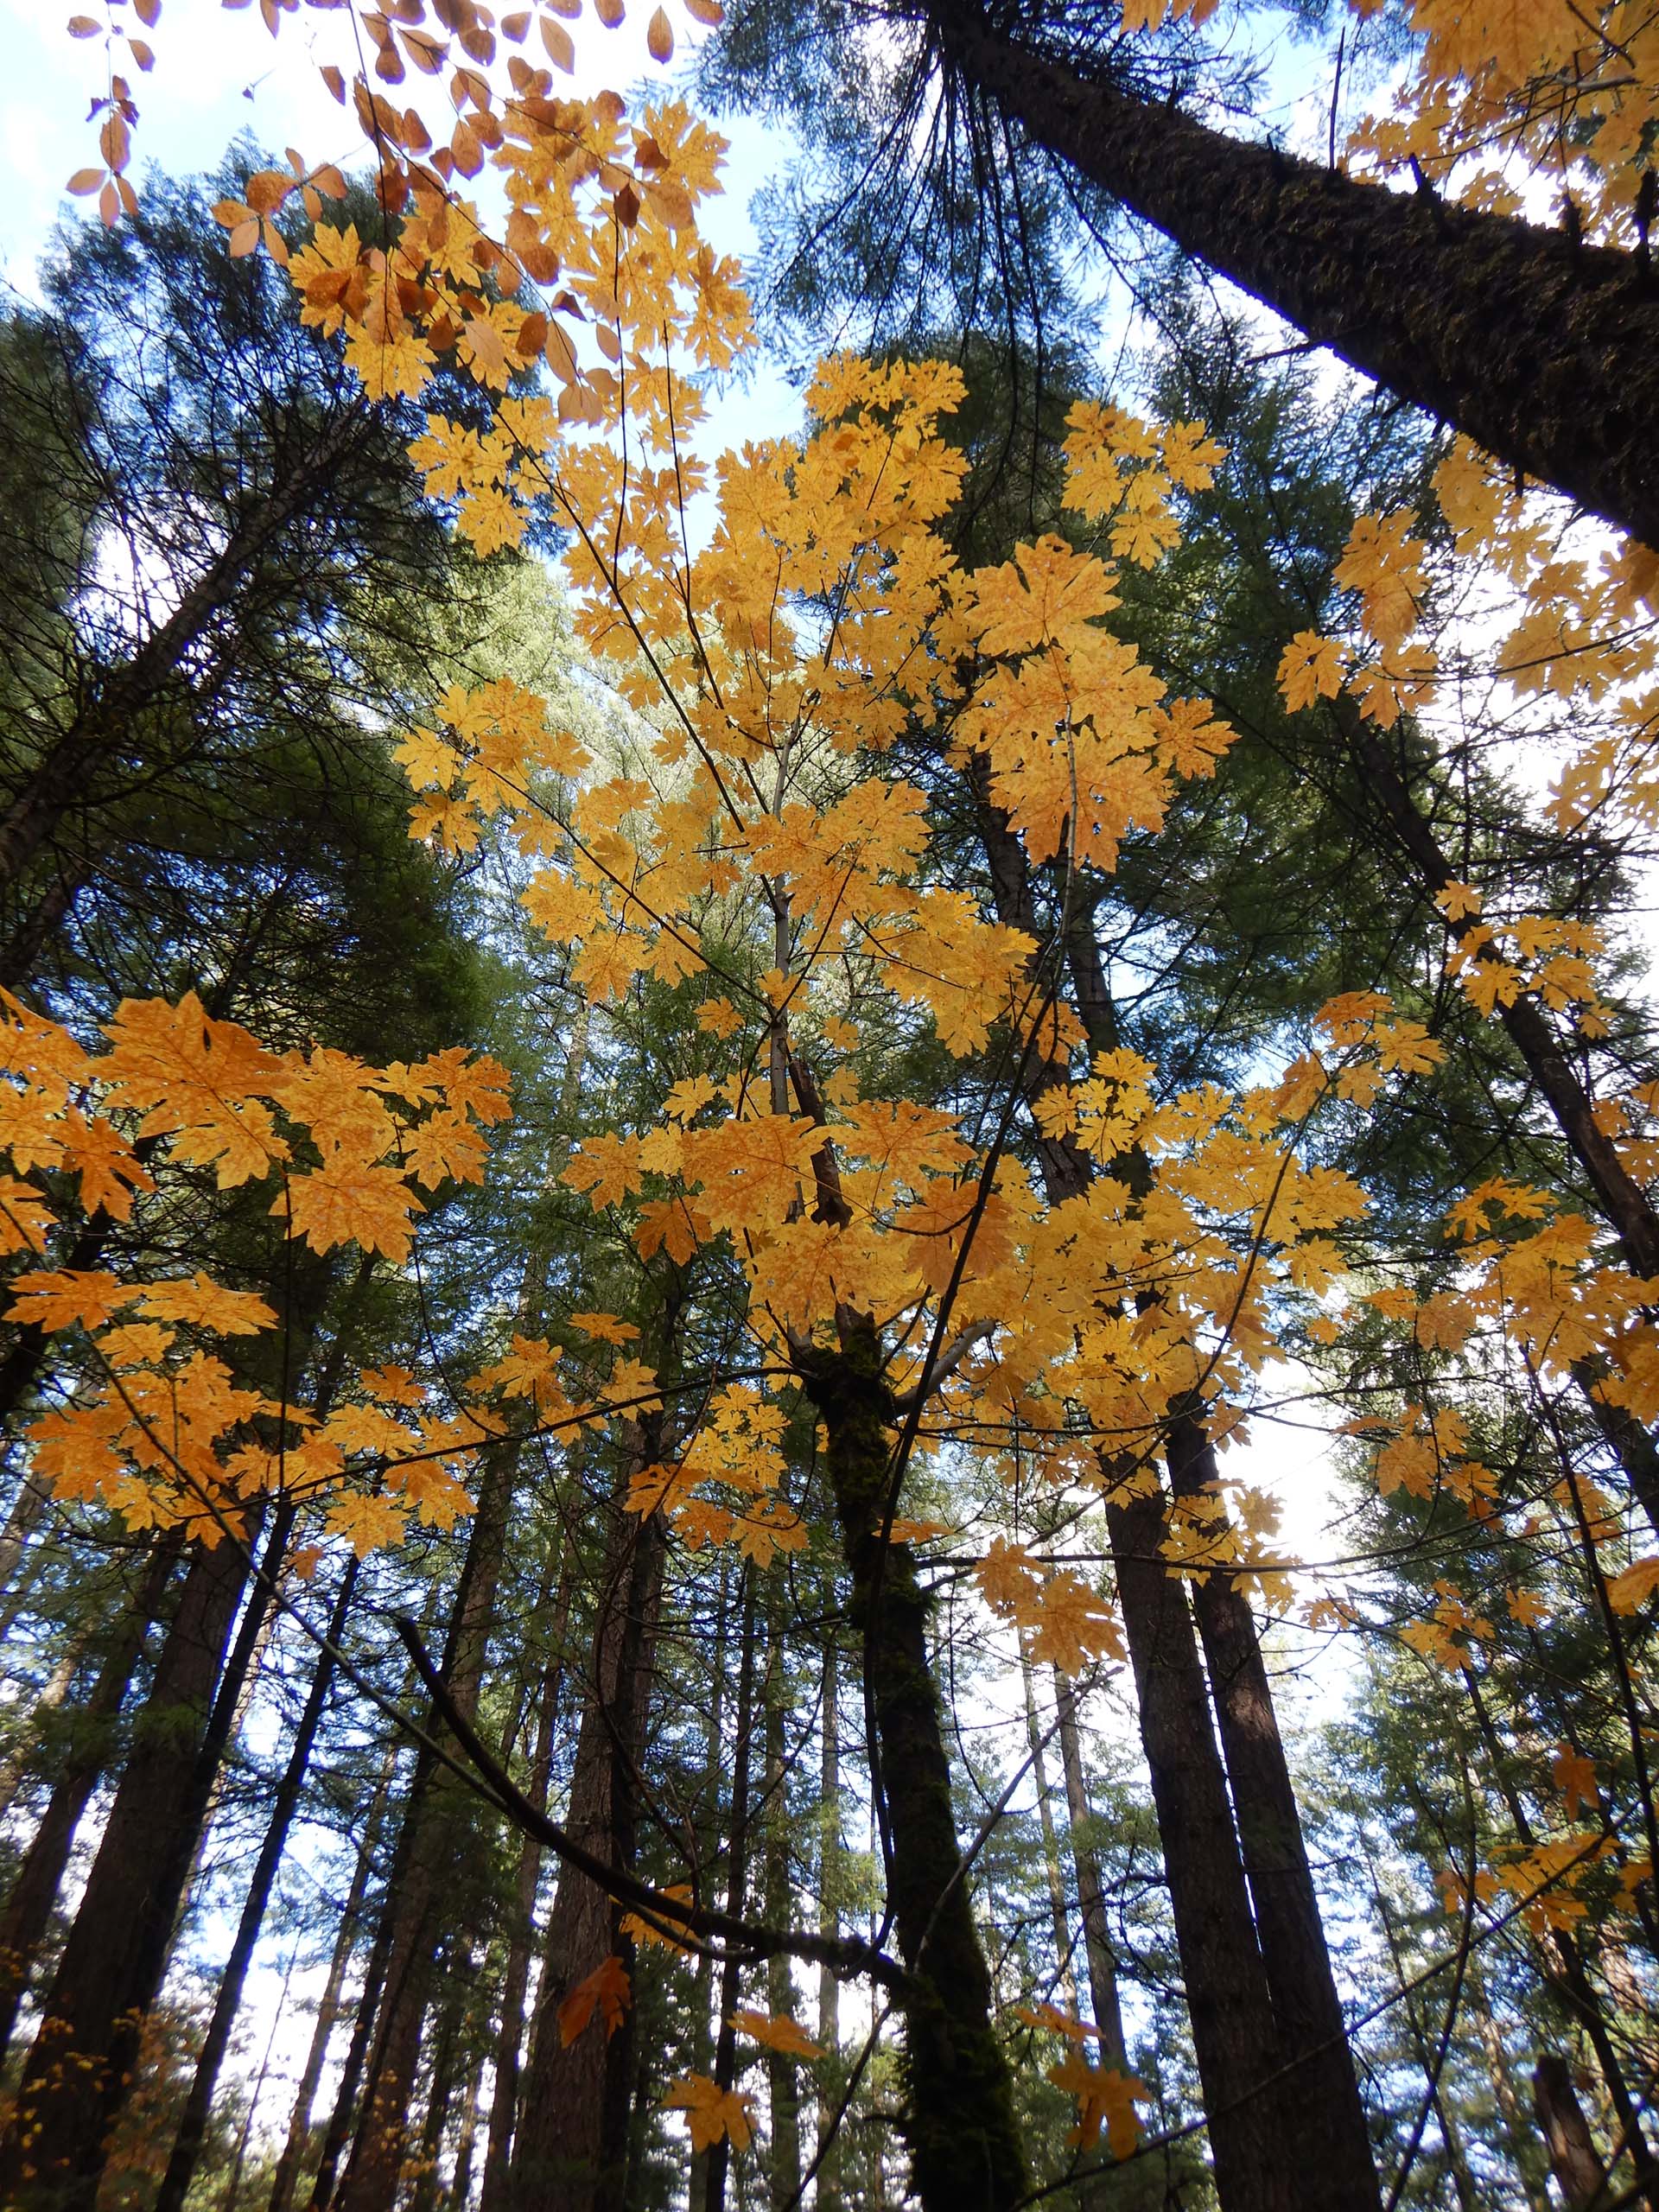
pixel 1310 667
pixel 1104 2094
pixel 53 1299
pixel 1628 1591
pixel 778 2031
pixel 367 1522
pixel 198 1298
pixel 344 1202
pixel 642 1931
pixel 711 2112
pixel 24 1216
pixel 1575 1776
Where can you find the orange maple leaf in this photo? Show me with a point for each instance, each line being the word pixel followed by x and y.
pixel 607 1990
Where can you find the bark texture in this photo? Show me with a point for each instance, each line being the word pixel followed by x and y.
pixel 1543 351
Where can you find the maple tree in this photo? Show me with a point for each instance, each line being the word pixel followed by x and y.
pixel 889 1204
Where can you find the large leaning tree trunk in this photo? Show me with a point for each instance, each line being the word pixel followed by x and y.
pixel 1543 351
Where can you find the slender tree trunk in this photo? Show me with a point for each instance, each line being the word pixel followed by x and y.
pixel 714 1766
pixel 1091 1896
pixel 737 1881
pixel 783 2081
pixel 103 722
pixel 1563 1964
pixel 1622 1199
pixel 446 2072
pixel 1523 2149
pixel 337 2134
pixel 1259 2164
pixel 328 2009
pixel 571 2152
pixel 1059 1914
pixel 22 950
pixel 830 1877
pixel 964 2139
pixel 28 1908
pixel 435 1824
pixel 1573 2158
pixel 1543 351
pixel 504 2106
pixel 1308 2011
pixel 28 1510
pixel 14 1771
pixel 460 2186
pixel 1637 1453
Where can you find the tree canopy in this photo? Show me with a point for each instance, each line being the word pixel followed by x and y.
pixel 869 1219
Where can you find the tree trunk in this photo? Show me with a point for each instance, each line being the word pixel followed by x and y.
pixel 1259 2166
pixel 29 1909
pixel 1059 1915
pixel 571 2153
pixel 1622 1199
pixel 102 723
pixel 1572 2157
pixel 1544 352
pixel 737 1882
pixel 27 1510
pixel 962 2137
pixel 828 2150
pixel 338 2132
pixel 1523 2149
pixel 783 2081
pixel 1091 1896
pixel 503 2104
pixel 328 2009
pixel 79 2072
pixel 461 2187
pixel 1308 2011
pixel 434 1831
pixel 14 1772
pixel 1637 1453
pixel 714 1766
pixel 1563 1964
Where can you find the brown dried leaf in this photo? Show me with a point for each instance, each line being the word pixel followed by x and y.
pixel 660 36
